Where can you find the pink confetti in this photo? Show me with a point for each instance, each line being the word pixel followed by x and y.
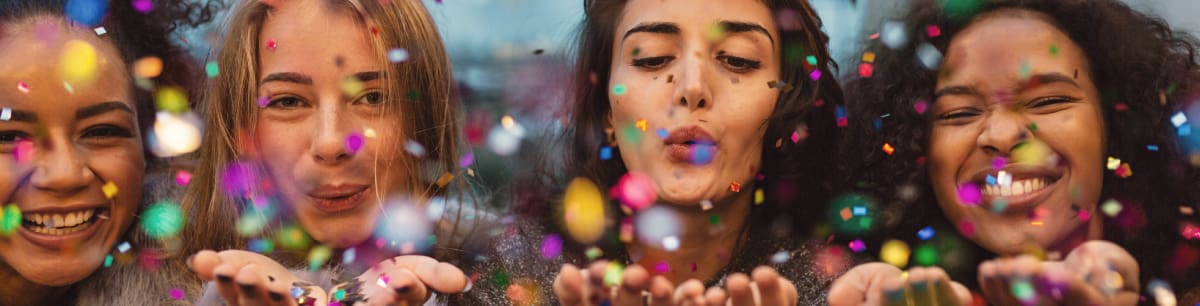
pixel 933 31
pixel 966 228
pixel 24 151
pixel 921 106
pixel 177 294
pixel 466 160
pixel 183 177
pixel 143 6
pixel 551 246
pixel 263 101
pixel 662 267
pixel 858 246
pixel 237 179
pixel 1084 215
pixel 22 87
pixel 795 137
pixel 271 44
pixel 635 190
pixel 874 36
pixel 354 143
pixel 815 75
pixel 866 70
pixel 999 163
pixel 969 194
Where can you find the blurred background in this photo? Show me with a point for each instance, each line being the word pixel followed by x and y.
pixel 512 58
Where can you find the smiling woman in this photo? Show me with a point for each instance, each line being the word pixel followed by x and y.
pixel 71 132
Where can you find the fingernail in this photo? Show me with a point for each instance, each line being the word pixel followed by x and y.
pixel 246 289
pixel 275 296
pixel 224 279
pixel 470 285
pixel 895 295
pixel 920 286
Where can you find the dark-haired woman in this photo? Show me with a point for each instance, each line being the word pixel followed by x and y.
pixel 1043 131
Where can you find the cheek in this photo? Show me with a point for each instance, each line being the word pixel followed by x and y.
pixel 948 150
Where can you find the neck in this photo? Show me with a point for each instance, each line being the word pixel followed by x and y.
pixel 16 290
pixel 704 247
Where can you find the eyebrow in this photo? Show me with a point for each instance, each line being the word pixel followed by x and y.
pixel 744 27
pixel 18 115
pixel 290 77
pixel 368 76
pixel 1034 81
pixel 654 27
pixel 101 108
pixel 958 90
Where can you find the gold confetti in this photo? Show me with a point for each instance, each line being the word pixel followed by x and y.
pixel 110 190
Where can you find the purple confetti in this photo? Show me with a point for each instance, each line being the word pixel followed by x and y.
pixel 815 75
pixel 143 6
pixel 551 246
pixel 177 294
pixel 237 179
pixel 969 194
pixel 466 160
pixel 354 143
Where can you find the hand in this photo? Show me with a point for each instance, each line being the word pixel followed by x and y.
pixel 575 287
pixel 408 280
pixel 764 285
pixel 248 279
pixel 883 284
pixel 1094 273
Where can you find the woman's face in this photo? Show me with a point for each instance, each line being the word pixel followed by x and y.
pixel 1018 116
pixel 694 74
pixel 321 139
pixel 63 145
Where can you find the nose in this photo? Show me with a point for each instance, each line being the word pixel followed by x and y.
pixel 60 169
pixel 330 145
pixel 1002 132
pixel 692 90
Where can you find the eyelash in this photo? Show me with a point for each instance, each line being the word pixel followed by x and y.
pixel 1051 101
pixel 275 103
pixel 367 97
pixel 12 136
pixel 738 63
pixel 652 62
pixel 107 131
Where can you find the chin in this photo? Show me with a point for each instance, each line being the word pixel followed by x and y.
pixel 58 272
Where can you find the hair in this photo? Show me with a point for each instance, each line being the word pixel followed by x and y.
pixel 427 108
pixel 793 181
pixel 135 35
pixel 1142 69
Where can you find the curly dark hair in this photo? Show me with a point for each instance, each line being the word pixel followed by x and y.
pixel 1143 71
pixel 137 35
pixel 793 174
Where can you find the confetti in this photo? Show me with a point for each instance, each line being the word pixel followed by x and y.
pixel 887 148
pixel 933 31
pixel 405 222
pixel 656 223
pixel 211 69
pixel 415 148
pixel 840 113
pixel 23 87
pixel 349 255
pixel 100 31
pixel 612 274
pixel 1152 148
pixel 662 267
pixel 24 151
pixel 108 261
pixel 171 99
pixel 78 62
pixel 866 70
pixel 583 211
pixel 758 196
pixel 670 243
pixel 271 45
pixel 1111 208
pixel 293 237
pixel 969 194
pixel 815 75
pixel 735 187
pixel 593 252
pixel 894 252
pixel 858 246
pixel 641 124
pixel 926 233
pixel 148 67
pixel 780 257
pixel 662 133
pixel 893 35
pixel 124 247
pixel 5 114
pixel 1053 49
pixel 1023 290
pixel 351 86
pixel 182 178
pixel 175 134
pixel 1033 151
pixel 261 246
pixel 605 153
pixel 318 256
pixel 921 106
pixel 86 12
pixel 715 32
pixel 929 56
pixel 705 205
pixel 503 142
pixel 795 136
pixel 635 190
pixel 551 246
pixel 618 89
pixel 110 190
pixel 925 255
pixel 397 55
pixel 176 293
pixel 10 219
pixel 1124 171
pixel 162 220
pixel 1178 119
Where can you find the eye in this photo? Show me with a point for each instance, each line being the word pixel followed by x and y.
pixel 739 64
pixel 12 137
pixel 371 98
pixel 285 102
pixel 107 131
pixel 1043 102
pixel 958 116
pixel 652 62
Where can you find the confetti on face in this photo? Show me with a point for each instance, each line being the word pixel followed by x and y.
pixel 86 12
pixel 583 211
pixel 705 205
pixel 162 220
pixel 999 163
pixel 894 252
pixel 351 86
pixel 354 143
pixel 5 114
pixel 735 187
pixel 171 99
pixel 110 190
pixel 641 124
pixel 23 87
pixel 78 62
pixel 618 89
pixel 100 31
pixel 858 246
pixel 635 190
pixel 969 194
pixel 23 153
pixel 271 45
pixel 10 219
pixel 1033 151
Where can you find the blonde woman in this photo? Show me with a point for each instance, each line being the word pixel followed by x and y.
pixel 332 109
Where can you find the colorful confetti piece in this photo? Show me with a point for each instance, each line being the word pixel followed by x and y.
pixel 78 62
pixel 969 194
pixel 109 189
pixel 926 233
pixel 162 220
pixel 318 256
pixel 858 246
pixel 211 69
pixel 10 219
pixel 86 12
pixel 866 70
pixel 176 293
pixel 175 134
pixel 148 67
pixel 1111 208
pixel 397 55
pixel 635 190
pixel 618 89
pixel 551 246
pixel 583 211
pixel 171 99
pixel 271 45
pixel 23 87
pixel 887 148
pixel 933 31
pixel 735 187
pixel 894 252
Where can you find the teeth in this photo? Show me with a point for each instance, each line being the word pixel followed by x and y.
pixel 1016 188
pixel 59 224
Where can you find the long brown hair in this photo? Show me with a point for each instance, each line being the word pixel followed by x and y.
pixel 419 90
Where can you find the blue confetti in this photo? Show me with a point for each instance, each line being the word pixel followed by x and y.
pixel 1152 148
pixel 926 233
pixel 662 133
pixel 860 211
pixel 605 153
pixel 991 180
pixel 87 12
pixel 1185 130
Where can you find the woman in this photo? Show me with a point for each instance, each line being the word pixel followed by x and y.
pixel 313 111
pixel 71 131
pixel 1011 133
pixel 701 102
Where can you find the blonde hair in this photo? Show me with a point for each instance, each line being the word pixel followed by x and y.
pixel 419 90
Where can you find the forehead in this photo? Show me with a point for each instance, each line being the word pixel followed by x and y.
pixel 696 15
pixel 1007 45
pixel 312 34
pixel 32 53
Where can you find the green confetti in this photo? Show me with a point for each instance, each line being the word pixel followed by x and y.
pixel 1033 127
pixel 612 275
pixel 1025 70
pixel 10 219
pixel 413 95
pixel 171 99
pixel 292 237
pixel 961 9
pixel 318 256
pixel 339 295
pixel 618 89
pixel 212 69
pixel 1054 50
pixel 108 260
pixel 812 60
pixel 1022 290
pixel 162 220
pixel 593 253
pixel 714 219
pixel 926 255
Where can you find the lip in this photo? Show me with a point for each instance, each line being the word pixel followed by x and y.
pixel 690 144
pixel 57 242
pixel 338 198
pixel 1028 200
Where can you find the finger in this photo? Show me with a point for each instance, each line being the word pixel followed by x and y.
pixel 568 285
pixel 596 290
pixel 279 294
pixel 203 263
pixel 408 287
pixel 634 281
pixel 946 291
pixel 661 291
pixel 715 296
pixel 919 285
pixel 1071 288
pixel 738 286
pixel 251 286
pixel 224 274
pixel 691 292
pixel 995 289
pixel 771 287
pixel 861 285
pixel 442 277
pixel 895 291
